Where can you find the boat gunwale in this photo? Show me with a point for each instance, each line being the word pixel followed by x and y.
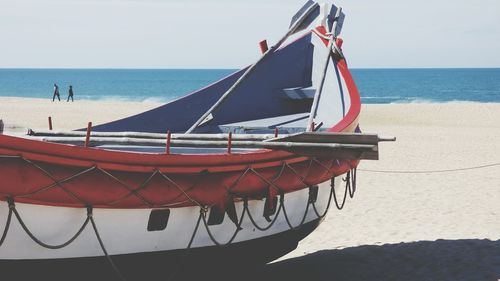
pixel 62 154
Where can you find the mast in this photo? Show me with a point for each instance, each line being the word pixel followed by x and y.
pixel 301 18
pixel 319 90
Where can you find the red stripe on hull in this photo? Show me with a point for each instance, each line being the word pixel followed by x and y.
pixel 62 175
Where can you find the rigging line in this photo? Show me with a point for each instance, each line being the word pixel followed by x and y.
pixel 265 228
pixel 129 188
pixel 90 216
pixel 289 121
pixel 350 182
pixel 195 230
pixel 187 253
pixel 134 191
pixel 320 216
pixel 212 237
pixel 7 225
pixel 319 90
pixel 341 205
pixel 341 89
pixel 180 189
pixel 55 181
pixel 431 171
pixel 293 29
pixel 287 219
pixel 39 242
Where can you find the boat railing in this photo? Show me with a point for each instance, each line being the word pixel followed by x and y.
pixel 315 144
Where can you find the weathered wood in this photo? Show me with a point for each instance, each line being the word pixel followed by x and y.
pixel 321 137
pixel 327 137
pixel 338 150
pixel 151 135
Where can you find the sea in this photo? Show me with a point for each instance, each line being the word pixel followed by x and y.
pixel 377 86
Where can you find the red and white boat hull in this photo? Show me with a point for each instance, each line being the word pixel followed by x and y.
pixel 125 231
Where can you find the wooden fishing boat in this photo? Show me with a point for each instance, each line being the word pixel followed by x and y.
pixel 247 169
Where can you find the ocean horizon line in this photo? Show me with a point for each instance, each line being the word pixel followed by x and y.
pixel 164 101
pixel 235 69
pixel 377 86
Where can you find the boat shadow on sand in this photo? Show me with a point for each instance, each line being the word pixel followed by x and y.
pixel 470 259
pixel 457 260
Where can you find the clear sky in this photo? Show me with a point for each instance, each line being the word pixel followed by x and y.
pixel 225 33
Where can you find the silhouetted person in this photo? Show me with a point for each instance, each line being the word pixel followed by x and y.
pixel 56 93
pixel 70 93
pixel 1 126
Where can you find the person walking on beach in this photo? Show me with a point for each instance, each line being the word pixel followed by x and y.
pixel 70 93
pixel 56 93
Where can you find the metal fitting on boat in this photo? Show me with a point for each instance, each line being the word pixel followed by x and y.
pixel 11 202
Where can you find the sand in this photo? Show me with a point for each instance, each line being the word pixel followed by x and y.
pixel 426 226
pixel 19 114
pixel 399 226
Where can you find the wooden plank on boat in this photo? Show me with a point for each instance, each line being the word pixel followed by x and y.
pixel 327 137
pixel 338 150
pixel 340 153
pixel 151 135
pixel 320 137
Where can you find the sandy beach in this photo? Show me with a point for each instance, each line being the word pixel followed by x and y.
pixel 415 226
pixel 20 114
pixel 406 222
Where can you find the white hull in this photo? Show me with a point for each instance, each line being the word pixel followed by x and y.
pixel 124 231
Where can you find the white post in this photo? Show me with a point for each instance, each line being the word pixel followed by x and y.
pixel 317 95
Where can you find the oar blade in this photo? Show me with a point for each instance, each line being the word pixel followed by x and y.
pixel 305 16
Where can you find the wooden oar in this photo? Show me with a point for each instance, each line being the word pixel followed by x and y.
pixel 141 135
pixel 338 150
pixel 297 25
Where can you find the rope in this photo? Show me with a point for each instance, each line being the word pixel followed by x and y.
pixel 184 257
pixel 129 188
pixel 56 182
pixel 261 228
pixel 12 208
pixel 351 182
pixel 180 188
pixel 108 257
pixel 7 225
pixel 431 171
pixel 195 231
pixel 135 191
pixel 286 215
pixel 339 206
pixel 350 188
pixel 203 212
pixel 182 199
pixel 332 191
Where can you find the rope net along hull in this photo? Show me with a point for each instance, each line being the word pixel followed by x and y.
pixel 60 175
pixel 129 231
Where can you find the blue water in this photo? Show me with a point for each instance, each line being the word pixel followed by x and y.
pixel 375 85
pixel 122 84
pixel 428 85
